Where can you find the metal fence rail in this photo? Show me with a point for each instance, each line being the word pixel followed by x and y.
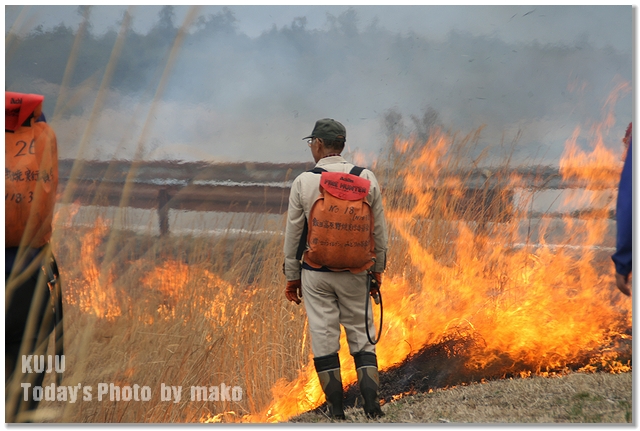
pixel 264 187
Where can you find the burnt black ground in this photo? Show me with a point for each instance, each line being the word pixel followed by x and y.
pixel 444 364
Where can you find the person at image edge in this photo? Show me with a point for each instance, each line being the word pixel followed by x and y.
pixel 623 256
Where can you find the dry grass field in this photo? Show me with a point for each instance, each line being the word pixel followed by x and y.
pixel 573 398
pixel 209 311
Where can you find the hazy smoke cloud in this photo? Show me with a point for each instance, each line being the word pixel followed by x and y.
pixel 232 97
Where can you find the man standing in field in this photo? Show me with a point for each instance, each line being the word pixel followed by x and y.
pixel 336 294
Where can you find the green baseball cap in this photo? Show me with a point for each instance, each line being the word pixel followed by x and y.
pixel 328 128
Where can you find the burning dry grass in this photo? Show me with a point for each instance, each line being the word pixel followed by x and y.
pixel 202 311
pixel 148 311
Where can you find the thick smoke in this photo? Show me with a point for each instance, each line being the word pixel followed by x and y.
pixel 231 97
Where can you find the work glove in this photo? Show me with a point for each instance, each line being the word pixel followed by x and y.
pixel 622 281
pixel 374 287
pixel 293 291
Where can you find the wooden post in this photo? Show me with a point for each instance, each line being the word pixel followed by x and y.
pixel 163 210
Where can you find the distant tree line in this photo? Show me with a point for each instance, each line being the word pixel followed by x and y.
pixel 45 54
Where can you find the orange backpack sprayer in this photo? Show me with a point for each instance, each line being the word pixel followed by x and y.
pixel 31 172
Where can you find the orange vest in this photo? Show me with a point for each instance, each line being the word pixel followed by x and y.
pixel 31 172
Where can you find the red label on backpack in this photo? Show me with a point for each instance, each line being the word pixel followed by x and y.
pixel 345 186
pixel 18 107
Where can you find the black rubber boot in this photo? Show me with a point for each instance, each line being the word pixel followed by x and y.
pixel 328 369
pixel 369 382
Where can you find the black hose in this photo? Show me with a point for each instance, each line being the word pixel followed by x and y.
pixel 366 311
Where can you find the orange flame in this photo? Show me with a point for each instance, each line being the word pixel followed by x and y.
pixel 530 309
pixel 94 292
pixel 543 308
pixel 456 270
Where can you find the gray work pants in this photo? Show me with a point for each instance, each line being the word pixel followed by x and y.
pixel 332 299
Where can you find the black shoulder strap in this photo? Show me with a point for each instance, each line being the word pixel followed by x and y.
pixel 356 170
pixel 303 240
pixel 305 230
